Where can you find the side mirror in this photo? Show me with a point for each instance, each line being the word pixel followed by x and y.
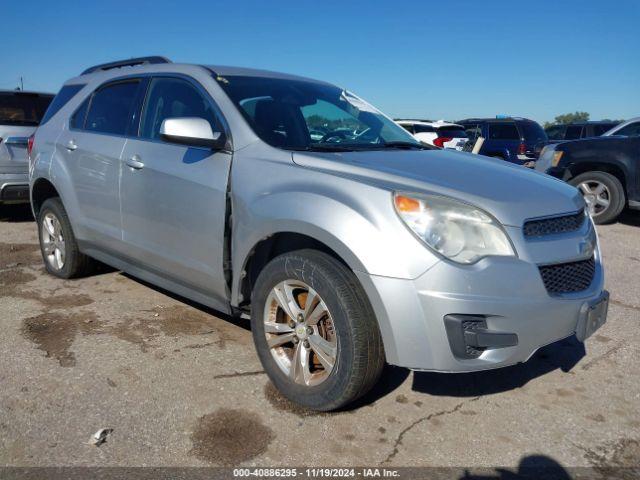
pixel 192 131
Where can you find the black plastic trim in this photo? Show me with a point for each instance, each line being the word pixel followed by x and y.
pixel 132 62
pixel 469 336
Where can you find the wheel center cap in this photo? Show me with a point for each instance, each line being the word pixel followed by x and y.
pixel 301 332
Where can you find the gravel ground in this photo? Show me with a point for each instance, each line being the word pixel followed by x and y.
pixel 180 385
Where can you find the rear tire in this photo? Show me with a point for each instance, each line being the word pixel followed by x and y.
pixel 58 244
pixel 358 354
pixel 603 193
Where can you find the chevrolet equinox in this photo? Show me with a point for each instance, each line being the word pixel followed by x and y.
pixel 298 204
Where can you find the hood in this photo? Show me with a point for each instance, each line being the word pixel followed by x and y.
pixel 509 192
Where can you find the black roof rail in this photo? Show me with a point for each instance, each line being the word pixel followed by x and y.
pixel 127 63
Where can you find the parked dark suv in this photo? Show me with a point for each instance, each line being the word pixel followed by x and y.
pixel 515 139
pixel 574 131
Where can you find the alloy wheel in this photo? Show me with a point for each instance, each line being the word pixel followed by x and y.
pixel 300 333
pixel 596 195
pixel 53 244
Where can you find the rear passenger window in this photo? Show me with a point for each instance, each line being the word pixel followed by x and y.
pixel 407 126
pixel 111 108
pixel 173 98
pixel 573 132
pixel 503 131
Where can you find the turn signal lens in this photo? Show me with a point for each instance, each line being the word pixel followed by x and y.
pixel 556 158
pixel 406 204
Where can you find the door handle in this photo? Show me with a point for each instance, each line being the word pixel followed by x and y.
pixel 135 163
pixel 71 145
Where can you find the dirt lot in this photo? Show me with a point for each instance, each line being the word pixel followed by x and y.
pixel 180 385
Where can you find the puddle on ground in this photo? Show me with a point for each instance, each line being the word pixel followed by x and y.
pixel 54 333
pixel 176 321
pixel 11 280
pixel 228 437
pixel 12 254
pixel 64 301
pixel 139 332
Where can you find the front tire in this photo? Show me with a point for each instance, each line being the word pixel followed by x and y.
pixel 603 194
pixel 315 331
pixel 58 245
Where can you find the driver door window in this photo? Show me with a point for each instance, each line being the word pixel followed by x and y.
pixel 173 98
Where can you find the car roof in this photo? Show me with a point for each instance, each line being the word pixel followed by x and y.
pixel 157 64
pixel 495 120
pixel 590 122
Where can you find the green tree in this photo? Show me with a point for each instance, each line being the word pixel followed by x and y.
pixel 569 118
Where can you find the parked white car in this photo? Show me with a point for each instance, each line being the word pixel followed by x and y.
pixel 630 128
pixel 440 133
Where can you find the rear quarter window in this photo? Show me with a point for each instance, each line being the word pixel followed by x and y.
pixel 532 132
pixel 503 131
pixel 65 94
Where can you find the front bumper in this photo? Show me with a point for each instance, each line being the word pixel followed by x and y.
pixel 558 172
pixel 14 188
pixel 508 293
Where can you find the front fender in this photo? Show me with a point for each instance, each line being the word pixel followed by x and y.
pixel 369 237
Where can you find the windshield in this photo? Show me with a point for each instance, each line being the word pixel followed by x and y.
pixel 305 115
pixel 22 109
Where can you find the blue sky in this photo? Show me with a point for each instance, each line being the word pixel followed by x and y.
pixel 409 58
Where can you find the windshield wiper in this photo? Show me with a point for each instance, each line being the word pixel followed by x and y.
pixel 326 148
pixel 403 145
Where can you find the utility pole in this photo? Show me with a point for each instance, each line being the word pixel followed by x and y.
pixel 21 84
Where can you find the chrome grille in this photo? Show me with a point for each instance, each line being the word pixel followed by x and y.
pixel 550 226
pixel 568 277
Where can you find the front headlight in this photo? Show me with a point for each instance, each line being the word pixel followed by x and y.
pixel 458 231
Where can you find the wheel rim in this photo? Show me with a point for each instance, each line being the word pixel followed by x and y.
pixel 52 239
pixel 300 333
pixel 596 195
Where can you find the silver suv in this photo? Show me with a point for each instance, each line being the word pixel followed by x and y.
pixel 347 248
pixel 20 114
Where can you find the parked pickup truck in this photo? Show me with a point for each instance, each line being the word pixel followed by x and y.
pixel 345 251
pixel 605 169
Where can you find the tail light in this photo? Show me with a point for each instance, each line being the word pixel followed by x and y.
pixel 522 148
pixel 30 144
pixel 439 142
